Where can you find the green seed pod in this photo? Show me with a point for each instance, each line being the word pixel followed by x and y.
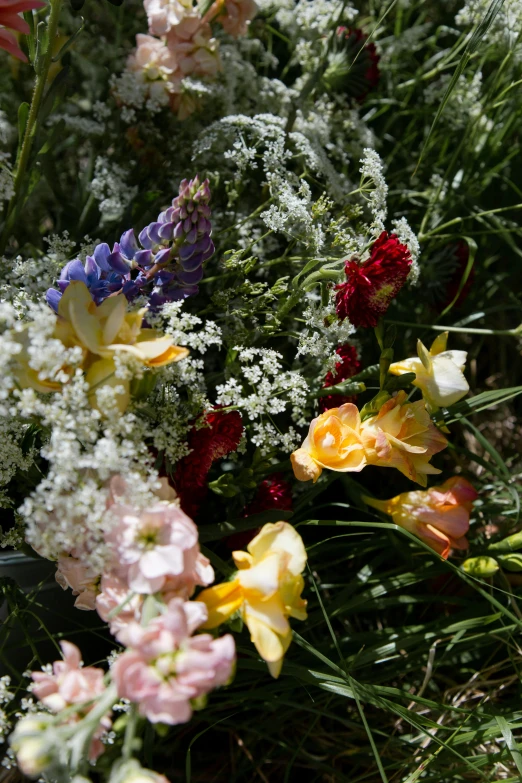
pixel 509 544
pixel 480 566
pixel 511 562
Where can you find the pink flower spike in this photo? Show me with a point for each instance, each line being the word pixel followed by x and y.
pixel 166 668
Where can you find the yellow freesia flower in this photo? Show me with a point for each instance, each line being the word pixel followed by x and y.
pixel 401 435
pixel 266 591
pixel 102 331
pixel 334 441
pixel 439 372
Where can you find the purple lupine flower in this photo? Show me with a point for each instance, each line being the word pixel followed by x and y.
pixel 169 256
pixel 181 242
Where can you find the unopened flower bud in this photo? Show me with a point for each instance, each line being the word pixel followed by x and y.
pixel 509 544
pixel 32 744
pixel 511 562
pixel 480 566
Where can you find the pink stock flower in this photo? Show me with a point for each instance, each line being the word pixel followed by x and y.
pixel 10 11
pixel 156 547
pixel 72 684
pixel 156 66
pixel 193 48
pixel 113 594
pixel 166 668
pixel 70 572
pixel 163 15
pixel 237 15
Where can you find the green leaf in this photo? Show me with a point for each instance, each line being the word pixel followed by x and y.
pixel 473 43
pixel 472 247
pixel 23 114
pixel 478 403
pixel 69 41
pixel 345 388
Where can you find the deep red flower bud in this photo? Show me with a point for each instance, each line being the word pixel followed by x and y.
pixel 349 366
pixel 371 285
pixel 220 437
pixel 353 67
pixel 273 493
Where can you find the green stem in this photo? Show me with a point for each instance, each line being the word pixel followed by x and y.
pixel 463 329
pixel 32 120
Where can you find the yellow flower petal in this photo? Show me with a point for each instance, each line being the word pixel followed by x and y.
pixel 221 601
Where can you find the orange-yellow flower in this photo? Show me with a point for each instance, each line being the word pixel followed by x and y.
pixel 334 441
pixel 403 436
pixel 266 591
pixel 439 516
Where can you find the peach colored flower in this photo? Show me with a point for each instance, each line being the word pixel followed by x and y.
pixel 403 436
pixel 334 441
pixel 163 15
pixel 156 66
pixel 266 591
pixel 166 668
pixel 439 515
pixel 194 49
pixel 234 15
pixel 70 684
pixel 70 572
pixel 116 606
pixel 155 547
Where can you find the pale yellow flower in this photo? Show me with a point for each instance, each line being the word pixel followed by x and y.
pixel 334 441
pixel 403 436
pixel 102 331
pixel 439 372
pixel 266 591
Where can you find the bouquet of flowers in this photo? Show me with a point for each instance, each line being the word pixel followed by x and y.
pixel 259 307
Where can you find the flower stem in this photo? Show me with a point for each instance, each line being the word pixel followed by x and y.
pixel 42 70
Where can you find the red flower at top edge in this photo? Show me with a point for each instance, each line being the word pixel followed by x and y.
pixel 365 73
pixel 371 285
pixel 346 368
pixel 219 437
pixel 272 493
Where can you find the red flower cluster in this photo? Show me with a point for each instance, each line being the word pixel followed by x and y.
pixel 349 366
pixel 371 286
pixel 214 441
pixel 363 74
pixel 273 493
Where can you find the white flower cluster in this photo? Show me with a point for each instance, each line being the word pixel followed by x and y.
pixel 408 237
pixel 374 188
pixel 111 189
pixel 5 697
pixel 464 103
pixel 506 27
pixel 264 390
pixel 323 334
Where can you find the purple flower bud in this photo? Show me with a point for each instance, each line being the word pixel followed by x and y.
pixel 163 256
pixel 178 231
pixel 166 231
pixel 128 244
pixel 52 297
pixel 192 236
pixel 117 262
pixel 144 238
pixel 191 278
pixel 144 258
pixel 101 256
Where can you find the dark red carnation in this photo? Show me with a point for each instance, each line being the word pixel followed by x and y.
pixel 372 284
pixel 219 437
pixel 345 369
pixel 273 493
